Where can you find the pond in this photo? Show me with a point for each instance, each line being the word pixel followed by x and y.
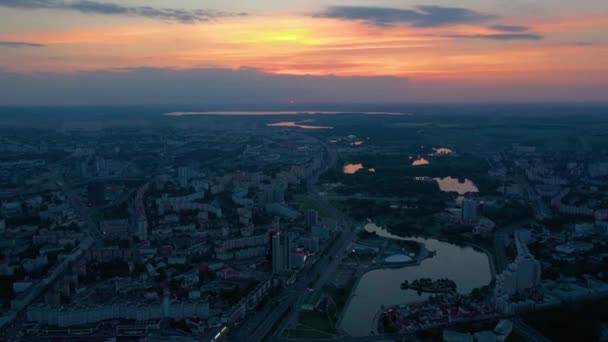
pixel 441 151
pixel 420 161
pixel 450 184
pixel 466 266
pixel 351 169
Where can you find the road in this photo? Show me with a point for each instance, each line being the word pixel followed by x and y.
pixel 500 254
pixel 286 310
pixel 528 332
pixel 261 324
pixel 541 209
pixel 329 263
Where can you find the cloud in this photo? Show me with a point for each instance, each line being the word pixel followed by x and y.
pixel 420 16
pixel 11 44
pixel 580 43
pixel 94 7
pixel 193 86
pixel 498 36
pixel 509 28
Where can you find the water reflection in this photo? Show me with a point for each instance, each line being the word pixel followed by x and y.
pixel 466 266
pixel 259 113
pixel 420 161
pixel 350 169
pixel 297 124
pixel 449 184
pixel 441 151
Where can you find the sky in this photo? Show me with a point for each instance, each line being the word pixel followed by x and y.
pixel 277 52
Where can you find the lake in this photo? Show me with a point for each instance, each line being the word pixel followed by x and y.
pixel 468 267
pixel 297 125
pixel 280 112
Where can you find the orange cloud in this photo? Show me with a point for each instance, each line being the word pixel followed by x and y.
pixel 316 46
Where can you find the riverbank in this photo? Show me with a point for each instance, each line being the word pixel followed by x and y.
pixel 424 254
pixel 455 241
pixel 378 287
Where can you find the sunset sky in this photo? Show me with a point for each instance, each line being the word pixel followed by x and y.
pixel 358 50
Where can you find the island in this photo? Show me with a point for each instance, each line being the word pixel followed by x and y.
pixel 430 286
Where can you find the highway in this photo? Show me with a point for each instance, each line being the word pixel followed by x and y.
pixel 500 255
pixel 528 332
pixel 286 310
pixel 541 209
pixel 263 323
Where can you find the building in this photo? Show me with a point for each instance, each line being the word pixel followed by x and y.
pixel 246 242
pixel 183 175
pixel 484 226
pixel 298 258
pixel 65 316
pixel 523 273
pixel 310 243
pixel 455 336
pixel 282 211
pixel 142 229
pixel 100 167
pixel 274 193
pixel 11 209
pixel 485 336
pixel 469 209
pixel 114 228
pixel 281 252
pixel 96 193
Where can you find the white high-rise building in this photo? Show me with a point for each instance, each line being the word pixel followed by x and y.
pixel 522 274
pixel 281 252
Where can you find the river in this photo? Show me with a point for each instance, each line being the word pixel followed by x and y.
pixel 468 267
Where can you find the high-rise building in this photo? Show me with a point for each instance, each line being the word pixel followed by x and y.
pixel 96 193
pixel 84 169
pixel 281 252
pixel 522 274
pixel 183 175
pixel 469 209
pixel 100 167
pixel 142 229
